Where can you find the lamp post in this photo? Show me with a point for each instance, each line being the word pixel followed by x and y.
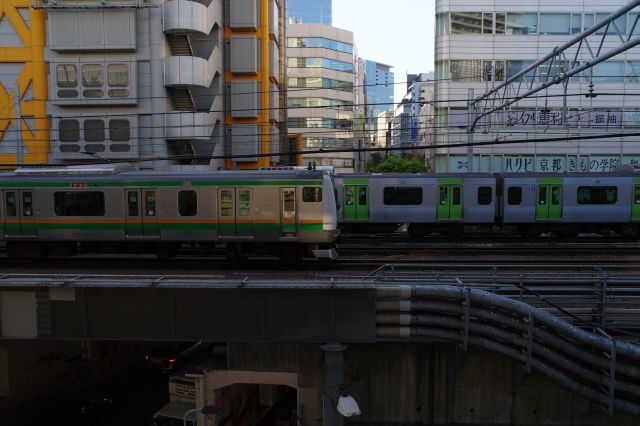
pixel 207 409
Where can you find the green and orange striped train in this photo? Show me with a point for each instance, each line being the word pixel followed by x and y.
pixel 57 211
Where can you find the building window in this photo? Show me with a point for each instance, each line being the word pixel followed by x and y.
pixel 331 64
pixel 119 130
pixel 312 194
pixel 67 75
pixel 554 23
pixel 466 23
pixel 79 203
pixel 487 23
pixel 620 23
pixel 320 42
pixel 588 21
pixel 500 23
pixel 634 24
pixel 94 130
pixel 514 195
pixel 465 70
pixel 118 75
pixel 576 23
pixel 187 203
pixel 608 72
pixel 597 195
pixel 514 67
pixel 92 75
pixel 633 72
pixel 442 24
pixel 492 70
pixel 69 130
pixel 484 195
pixel 442 70
pixel 396 196
pixel 522 23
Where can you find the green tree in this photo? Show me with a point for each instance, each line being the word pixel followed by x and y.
pixel 395 164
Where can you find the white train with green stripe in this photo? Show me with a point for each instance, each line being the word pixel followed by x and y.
pixel 57 211
pixel 531 203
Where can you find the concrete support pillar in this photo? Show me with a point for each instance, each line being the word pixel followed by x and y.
pixel 334 374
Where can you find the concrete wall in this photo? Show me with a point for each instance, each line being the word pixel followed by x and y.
pixel 427 384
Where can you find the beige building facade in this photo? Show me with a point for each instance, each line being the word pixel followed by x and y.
pixel 321 75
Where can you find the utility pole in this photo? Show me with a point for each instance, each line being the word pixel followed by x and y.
pixel 470 122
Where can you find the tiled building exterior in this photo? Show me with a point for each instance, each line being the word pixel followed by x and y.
pixel 483 42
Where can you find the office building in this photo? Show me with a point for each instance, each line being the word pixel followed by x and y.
pixel 480 44
pixel 309 12
pixel 162 84
pixel 379 88
pixel 321 70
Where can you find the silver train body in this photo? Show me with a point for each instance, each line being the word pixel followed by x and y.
pixel 287 213
pixel 534 203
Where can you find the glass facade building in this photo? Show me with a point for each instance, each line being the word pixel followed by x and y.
pixel 309 11
pixel 477 48
pixel 379 88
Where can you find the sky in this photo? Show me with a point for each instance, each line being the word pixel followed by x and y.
pixel 399 33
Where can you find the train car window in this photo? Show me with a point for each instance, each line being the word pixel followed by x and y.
pixel 289 200
pixel 27 204
pixel 187 203
pixel 226 203
pixel 636 194
pixel 150 203
pixel 597 195
pixel 312 194
pixel 457 196
pixel 555 195
pixel 395 196
pixel 11 206
pixel 444 195
pixel 362 197
pixel 484 195
pixel 79 203
pixel 244 202
pixel 348 195
pixel 542 195
pixel 514 195
pixel 132 203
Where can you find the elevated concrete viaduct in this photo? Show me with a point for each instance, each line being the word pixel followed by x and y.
pixel 433 355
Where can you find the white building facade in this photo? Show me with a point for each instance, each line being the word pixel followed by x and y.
pixel 321 99
pixel 482 43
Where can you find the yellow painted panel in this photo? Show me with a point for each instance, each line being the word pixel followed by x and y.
pixel 34 74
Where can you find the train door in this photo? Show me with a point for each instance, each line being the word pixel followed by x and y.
pixel 635 207
pixel 549 202
pixel 449 203
pixel 141 219
pixel 288 212
pixel 19 218
pixel 235 213
pixel 356 202
pixel 244 213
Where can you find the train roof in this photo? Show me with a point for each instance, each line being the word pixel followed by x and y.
pixel 99 174
pixel 569 175
pixel 416 175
